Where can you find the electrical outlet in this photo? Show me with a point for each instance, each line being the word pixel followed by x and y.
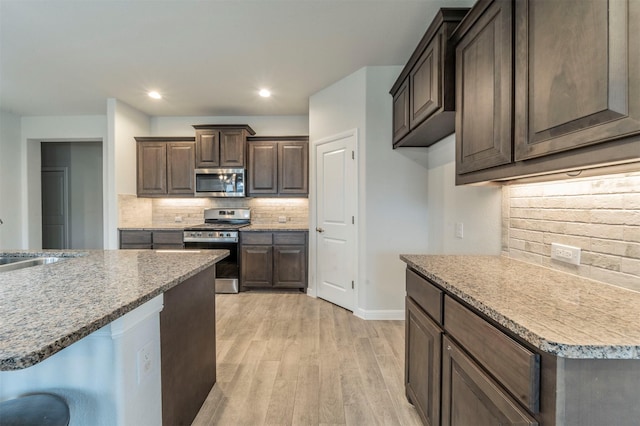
pixel 178 219
pixel 459 229
pixel 282 219
pixel 145 362
pixel 567 254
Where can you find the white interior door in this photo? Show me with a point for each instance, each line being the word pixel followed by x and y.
pixel 55 208
pixel 336 193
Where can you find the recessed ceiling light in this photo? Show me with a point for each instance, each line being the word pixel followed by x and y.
pixel 264 93
pixel 155 95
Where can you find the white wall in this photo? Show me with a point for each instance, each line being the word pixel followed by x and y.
pixel 277 125
pixel 11 177
pixel 392 193
pixel 395 199
pixel 124 123
pixel 84 128
pixel 478 208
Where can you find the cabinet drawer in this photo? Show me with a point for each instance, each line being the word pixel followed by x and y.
pixel 515 367
pixel 426 295
pixel 167 237
pixel 135 237
pixel 289 238
pixel 263 238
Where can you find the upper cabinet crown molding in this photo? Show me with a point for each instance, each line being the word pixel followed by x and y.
pixel 424 93
pixel 567 99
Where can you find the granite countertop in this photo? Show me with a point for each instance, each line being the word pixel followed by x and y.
pixel 44 309
pixel 172 227
pixel 559 313
pixel 275 227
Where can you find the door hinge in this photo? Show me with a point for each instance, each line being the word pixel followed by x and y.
pixel 353 155
pixel 352 285
pixel 353 220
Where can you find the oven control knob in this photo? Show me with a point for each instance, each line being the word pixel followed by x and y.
pixel 228 234
pixel 198 234
pixel 210 234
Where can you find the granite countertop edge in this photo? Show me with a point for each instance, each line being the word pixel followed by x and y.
pixel 24 360
pixel 558 348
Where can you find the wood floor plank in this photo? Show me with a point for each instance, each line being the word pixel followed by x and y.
pixel 306 408
pixel 289 359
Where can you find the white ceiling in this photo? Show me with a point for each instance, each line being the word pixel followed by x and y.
pixel 66 57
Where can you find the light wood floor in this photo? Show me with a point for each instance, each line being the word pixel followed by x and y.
pixel 288 359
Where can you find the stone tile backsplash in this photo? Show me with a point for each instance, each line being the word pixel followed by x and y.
pixel 159 212
pixel 600 215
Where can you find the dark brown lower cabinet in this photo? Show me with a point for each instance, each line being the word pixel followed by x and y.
pixel 188 347
pixel 422 368
pixel 257 266
pixel 157 239
pixel 471 397
pixel 290 266
pixel 273 260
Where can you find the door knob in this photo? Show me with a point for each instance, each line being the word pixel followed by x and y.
pixel 319 230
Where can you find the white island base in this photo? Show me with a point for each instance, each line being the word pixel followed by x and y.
pixel 110 377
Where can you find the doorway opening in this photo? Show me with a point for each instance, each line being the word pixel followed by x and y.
pixel 72 213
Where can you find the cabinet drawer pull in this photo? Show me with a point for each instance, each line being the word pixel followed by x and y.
pixel 319 230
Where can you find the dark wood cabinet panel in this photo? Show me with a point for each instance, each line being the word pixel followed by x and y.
pixel 429 297
pixel 289 267
pixel 221 145
pixel 577 71
pixel 273 259
pixel 152 168
pixel 135 239
pixel 484 81
pixel 424 93
pixel 232 147
pixel 165 166
pixel 278 166
pixel 471 397
pixel 151 239
pixel 293 168
pixel 207 148
pixel 424 83
pixel 263 168
pixel 516 367
pixel 188 347
pixel 256 266
pixel 422 363
pixel 180 166
pixel 401 112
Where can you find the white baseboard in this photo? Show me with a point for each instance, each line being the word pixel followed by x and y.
pixel 390 314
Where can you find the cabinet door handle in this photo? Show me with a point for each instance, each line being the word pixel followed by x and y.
pixel 448 347
pixel 319 230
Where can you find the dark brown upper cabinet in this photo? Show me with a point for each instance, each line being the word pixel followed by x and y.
pixel 484 93
pixel 165 166
pixel 424 93
pixel 278 166
pixel 567 98
pixel 577 74
pixel 221 145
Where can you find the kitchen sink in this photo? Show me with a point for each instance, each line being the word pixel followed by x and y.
pixel 11 263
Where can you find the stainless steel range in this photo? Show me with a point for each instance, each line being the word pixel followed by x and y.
pixel 220 231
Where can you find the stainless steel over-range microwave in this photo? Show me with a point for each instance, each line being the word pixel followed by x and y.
pixel 219 182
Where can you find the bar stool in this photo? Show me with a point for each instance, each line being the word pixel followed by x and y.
pixel 38 409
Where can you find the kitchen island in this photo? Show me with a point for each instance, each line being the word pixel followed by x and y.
pixel 519 342
pixel 88 327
